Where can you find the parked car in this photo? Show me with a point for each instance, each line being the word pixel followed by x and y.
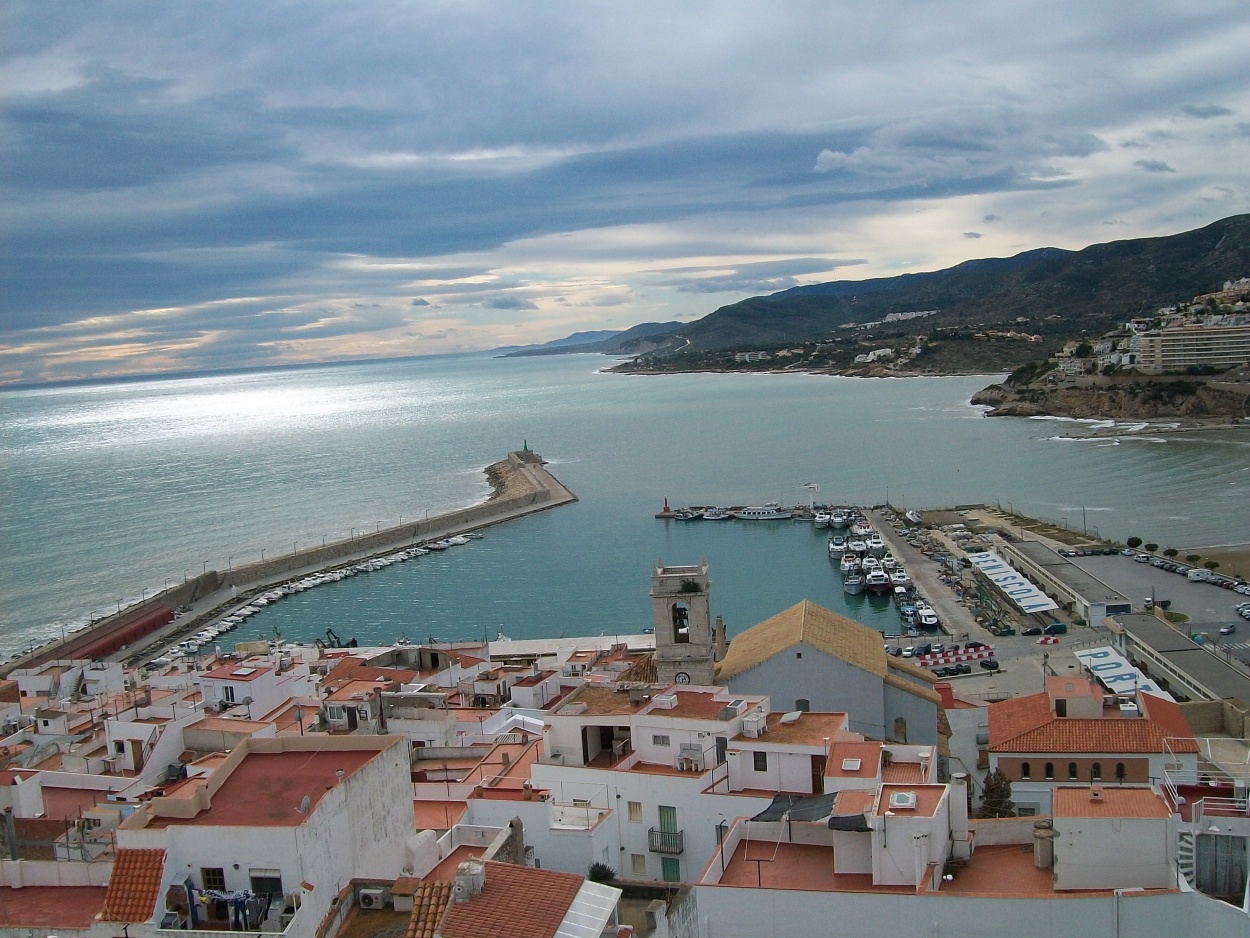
pixel 1142 558
pixel 974 645
pixel 1032 630
pixel 989 664
pixel 1055 628
pixel 963 668
pixel 895 651
pixel 1228 629
pixel 909 652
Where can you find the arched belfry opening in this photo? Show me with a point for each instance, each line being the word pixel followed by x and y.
pixel 681 624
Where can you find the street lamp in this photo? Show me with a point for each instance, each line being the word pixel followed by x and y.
pixel 230 562
pixel 143 595
pixel 262 555
pixel 295 547
pixel 353 535
pixel 166 582
pixel 119 606
pixel 205 570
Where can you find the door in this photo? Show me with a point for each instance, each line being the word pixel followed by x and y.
pixel 818 775
pixel 668 819
pixel 670 869
pixel 353 719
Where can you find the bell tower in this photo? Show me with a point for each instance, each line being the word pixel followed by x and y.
pixel 685 640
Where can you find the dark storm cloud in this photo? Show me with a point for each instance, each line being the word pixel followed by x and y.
pixel 255 170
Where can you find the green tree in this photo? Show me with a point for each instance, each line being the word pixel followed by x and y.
pixel 1133 542
pixel 1211 564
pixel 997 801
pixel 600 873
pixel 1171 552
pixel 1193 558
pixel 1152 547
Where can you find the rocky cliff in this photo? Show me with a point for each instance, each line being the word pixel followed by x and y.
pixel 1146 400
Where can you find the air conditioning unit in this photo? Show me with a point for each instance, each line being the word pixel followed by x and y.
pixel 372 898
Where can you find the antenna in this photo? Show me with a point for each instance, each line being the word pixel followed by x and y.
pixel 305 805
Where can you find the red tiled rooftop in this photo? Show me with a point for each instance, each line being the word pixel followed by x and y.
pixel 903 773
pixel 236 672
pixel 845 754
pixel 134 885
pixel 445 870
pixel 1111 802
pixel 266 788
pixel 855 801
pixel 795 866
pixel 429 901
pixel 1026 724
pixel 47 907
pixel 437 815
pixel 692 706
pixel 517 901
pixel 928 797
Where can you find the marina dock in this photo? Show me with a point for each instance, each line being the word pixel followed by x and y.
pixel 522 486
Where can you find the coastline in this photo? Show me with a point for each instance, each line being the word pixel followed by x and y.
pixel 520 485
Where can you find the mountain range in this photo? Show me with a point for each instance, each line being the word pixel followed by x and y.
pixel 1055 293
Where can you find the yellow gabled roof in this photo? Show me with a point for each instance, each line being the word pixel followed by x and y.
pixel 827 631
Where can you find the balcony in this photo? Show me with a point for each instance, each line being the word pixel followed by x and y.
pixel 671 843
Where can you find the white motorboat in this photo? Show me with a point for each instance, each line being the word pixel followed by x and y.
pixel 877 581
pixel 861 529
pixel 853 584
pixel 889 563
pixel 913 517
pixel 838 519
pixel 849 563
pixel 875 544
pixel 900 577
pixel 769 512
pixel 871 563
pixel 837 545
pixel 716 514
pixel 822 519
pixel 857 547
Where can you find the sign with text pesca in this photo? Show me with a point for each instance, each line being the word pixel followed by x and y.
pixel 1011 582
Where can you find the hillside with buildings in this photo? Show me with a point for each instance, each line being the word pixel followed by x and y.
pixel 1188 361
pixel 978 317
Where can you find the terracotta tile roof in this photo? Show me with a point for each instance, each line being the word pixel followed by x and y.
pixel 1169 715
pixel 1012 717
pixel 642 670
pixel 855 801
pixel 429 902
pixel 903 773
pixel 1026 724
pixel 516 901
pixel 355 669
pixel 830 632
pixel 1112 802
pixel 1111 735
pixel 134 885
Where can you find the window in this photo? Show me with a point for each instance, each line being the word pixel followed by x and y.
pixel 798 654
pixel 900 730
pixel 638 864
pixel 266 882
pixel 1095 772
pixel 227 693
pixel 1024 770
pixel 1119 772
pixel 334 713
pixel 635 810
pixel 1072 770
pixel 1050 770
pixel 658 740
pixel 581 802
pixel 119 747
pixel 213 878
pixel 761 761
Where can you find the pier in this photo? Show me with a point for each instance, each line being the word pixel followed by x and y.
pixel 522 486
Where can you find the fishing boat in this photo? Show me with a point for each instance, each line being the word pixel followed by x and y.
pixel 822 519
pixel 716 514
pixel 849 563
pixel 838 519
pixel 853 584
pixel 769 512
pixel 837 545
pixel 877 581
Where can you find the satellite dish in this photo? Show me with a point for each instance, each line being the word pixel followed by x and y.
pixel 791 717
pixel 305 805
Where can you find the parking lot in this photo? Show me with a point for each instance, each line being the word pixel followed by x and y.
pixel 1204 603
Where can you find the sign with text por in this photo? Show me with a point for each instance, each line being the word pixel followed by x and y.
pixel 1011 582
pixel 1117 674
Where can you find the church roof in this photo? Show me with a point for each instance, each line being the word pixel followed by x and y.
pixel 807 623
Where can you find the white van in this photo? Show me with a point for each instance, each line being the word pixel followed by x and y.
pixel 1197 575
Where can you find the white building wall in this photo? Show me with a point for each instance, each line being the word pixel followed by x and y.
pixel 732 912
pixel 828 683
pixel 1111 853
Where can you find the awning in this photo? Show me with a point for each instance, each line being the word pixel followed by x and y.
pixel 850 822
pixel 799 807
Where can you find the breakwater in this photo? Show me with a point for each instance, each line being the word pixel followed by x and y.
pixel 521 485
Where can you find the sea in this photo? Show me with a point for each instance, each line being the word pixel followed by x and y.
pixel 112 491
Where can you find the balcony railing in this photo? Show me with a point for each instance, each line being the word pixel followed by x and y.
pixel 669 842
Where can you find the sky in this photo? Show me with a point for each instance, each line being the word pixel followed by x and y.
pixel 195 186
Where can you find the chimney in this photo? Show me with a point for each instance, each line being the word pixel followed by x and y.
pixel 947 694
pixel 720 639
pixel 960 835
pixel 1095 793
pixel 527 790
pixel 470 878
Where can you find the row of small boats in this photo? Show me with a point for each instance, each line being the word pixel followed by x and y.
pixel 864 560
pixel 236 618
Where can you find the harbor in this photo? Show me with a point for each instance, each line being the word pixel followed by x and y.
pixel 521 486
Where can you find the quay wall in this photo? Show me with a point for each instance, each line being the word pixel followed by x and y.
pixel 522 486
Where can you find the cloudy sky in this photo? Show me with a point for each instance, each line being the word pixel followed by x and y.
pixel 208 185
